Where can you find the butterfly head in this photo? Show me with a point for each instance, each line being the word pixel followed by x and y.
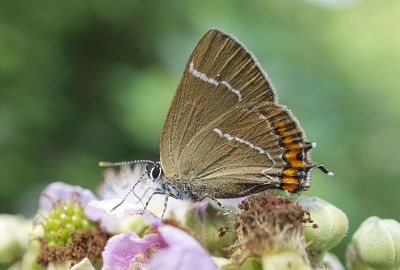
pixel 155 172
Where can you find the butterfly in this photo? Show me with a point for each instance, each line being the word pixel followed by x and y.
pixel 226 135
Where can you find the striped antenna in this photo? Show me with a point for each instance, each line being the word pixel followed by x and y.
pixel 121 163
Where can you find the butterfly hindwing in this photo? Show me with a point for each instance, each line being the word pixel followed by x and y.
pixel 251 147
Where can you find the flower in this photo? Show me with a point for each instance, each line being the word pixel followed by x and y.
pixel 129 250
pixel 117 186
pixel 168 248
pixel 128 215
pixel 182 252
pixel 68 243
pixel 270 228
pixel 69 236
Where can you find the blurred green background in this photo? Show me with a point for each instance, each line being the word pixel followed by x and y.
pixel 83 81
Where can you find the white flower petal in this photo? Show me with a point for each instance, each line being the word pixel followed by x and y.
pixel 85 264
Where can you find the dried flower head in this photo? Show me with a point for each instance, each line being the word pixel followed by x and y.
pixel 85 243
pixel 268 223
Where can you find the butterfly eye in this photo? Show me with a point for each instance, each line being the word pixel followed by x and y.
pixel 155 172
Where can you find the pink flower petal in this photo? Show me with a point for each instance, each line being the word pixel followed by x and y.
pixel 122 248
pixel 183 252
pixel 60 192
pixel 109 218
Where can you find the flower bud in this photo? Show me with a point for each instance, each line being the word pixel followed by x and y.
pixel 331 262
pixel 28 261
pixel 329 226
pixel 353 261
pixel 211 228
pixel 14 237
pixel 375 245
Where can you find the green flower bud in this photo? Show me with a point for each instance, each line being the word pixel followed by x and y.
pixel 329 226
pixel 376 244
pixel 14 237
pixel 211 228
pixel 29 261
pixel 331 262
pixel 353 261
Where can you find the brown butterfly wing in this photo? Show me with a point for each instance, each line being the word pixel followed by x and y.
pixel 219 74
pixel 249 148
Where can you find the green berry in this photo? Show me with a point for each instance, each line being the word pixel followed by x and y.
pixel 63 220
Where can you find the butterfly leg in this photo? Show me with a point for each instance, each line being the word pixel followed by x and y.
pixel 220 205
pixel 157 191
pixel 132 190
pixel 145 193
pixel 165 205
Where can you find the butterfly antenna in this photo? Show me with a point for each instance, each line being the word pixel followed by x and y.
pixel 324 170
pixel 122 163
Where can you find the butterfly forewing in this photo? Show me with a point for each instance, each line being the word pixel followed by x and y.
pixel 226 135
pixel 219 74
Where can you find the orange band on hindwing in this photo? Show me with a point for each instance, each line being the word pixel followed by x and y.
pixel 295 155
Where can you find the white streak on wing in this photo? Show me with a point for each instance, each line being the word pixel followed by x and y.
pixel 239 140
pixel 218 131
pixel 233 90
pixel 266 170
pixel 228 137
pixel 202 76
